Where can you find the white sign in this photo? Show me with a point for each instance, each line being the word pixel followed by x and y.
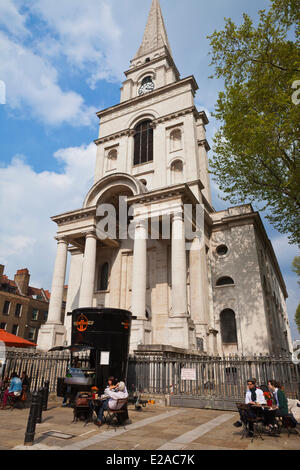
pixel 188 374
pixel 104 360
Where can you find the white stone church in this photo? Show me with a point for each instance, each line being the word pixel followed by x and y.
pixel 225 293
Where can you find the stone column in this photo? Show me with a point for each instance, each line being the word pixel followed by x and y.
pixel 179 268
pixel 198 289
pixel 139 270
pixel 53 332
pixel 88 271
pixel 57 289
pixel 74 282
pixel 139 285
pixel 180 327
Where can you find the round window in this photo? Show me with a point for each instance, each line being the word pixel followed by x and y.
pixel 222 250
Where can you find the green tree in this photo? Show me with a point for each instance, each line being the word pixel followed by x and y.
pixel 296 266
pixel 296 269
pixel 256 150
pixel 297 317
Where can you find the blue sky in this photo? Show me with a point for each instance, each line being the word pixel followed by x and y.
pixel 61 61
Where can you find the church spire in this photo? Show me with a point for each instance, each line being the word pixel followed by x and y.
pixel 155 35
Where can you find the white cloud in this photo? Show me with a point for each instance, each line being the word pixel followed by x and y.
pixel 32 83
pixel 27 201
pixel 11 19
pixel 84 32
pixel 285 252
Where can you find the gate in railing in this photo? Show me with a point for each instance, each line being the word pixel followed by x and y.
pixel 209 382
pixel 200 381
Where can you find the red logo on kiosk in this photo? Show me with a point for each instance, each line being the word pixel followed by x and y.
pixel 82 323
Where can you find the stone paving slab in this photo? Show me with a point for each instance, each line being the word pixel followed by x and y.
pixel 155 427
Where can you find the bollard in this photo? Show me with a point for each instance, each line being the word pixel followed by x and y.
pixel 46 395
pixel 40 406
pixel 31 424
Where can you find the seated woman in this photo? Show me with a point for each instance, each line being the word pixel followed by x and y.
pixel 111 384
pixel 14 390
pixel 280 398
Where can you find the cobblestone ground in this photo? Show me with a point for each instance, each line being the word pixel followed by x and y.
pixel 155 427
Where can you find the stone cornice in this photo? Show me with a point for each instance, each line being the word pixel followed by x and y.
pixel 204 143
pixel 167 117
pixel 167 192
pixel 74 215
pixel 116 135
pixel 166 56
pixel 146 97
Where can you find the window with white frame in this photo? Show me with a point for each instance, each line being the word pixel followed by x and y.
pixel 15 330
pixel 35 314
pixel 18 310
pixel 6 307
pixel 31 333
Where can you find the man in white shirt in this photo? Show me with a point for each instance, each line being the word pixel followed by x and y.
pixel 254 395
pixel 114 393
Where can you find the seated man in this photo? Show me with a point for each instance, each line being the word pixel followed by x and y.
pixel 114 393
pixel 254 396
pixel 14 390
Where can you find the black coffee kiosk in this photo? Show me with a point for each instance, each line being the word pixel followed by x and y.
pixel 99 349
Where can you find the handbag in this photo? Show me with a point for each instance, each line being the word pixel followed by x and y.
pixel 82 400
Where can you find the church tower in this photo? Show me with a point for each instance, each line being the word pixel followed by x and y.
pixel 156 102
pixel 198 293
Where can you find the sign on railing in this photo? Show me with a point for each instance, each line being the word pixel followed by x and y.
pixel 188 374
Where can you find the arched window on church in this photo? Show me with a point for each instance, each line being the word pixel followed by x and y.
pixel 103 277
pixel 143 143
pixel 228 327
pixel 176 140
pixel 177 172
pixel 225 281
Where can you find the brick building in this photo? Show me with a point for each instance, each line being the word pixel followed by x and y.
pixel 23 308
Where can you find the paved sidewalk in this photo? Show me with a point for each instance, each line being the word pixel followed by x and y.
pixel 154 428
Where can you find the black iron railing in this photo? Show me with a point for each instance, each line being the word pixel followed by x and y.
pixel 164 374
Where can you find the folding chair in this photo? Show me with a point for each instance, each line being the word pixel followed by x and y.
pixel 12 401
pixel 288 423
pixel 247 419
pixel 82 410
pixel 115 416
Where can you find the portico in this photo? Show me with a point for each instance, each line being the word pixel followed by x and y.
pixel 154 219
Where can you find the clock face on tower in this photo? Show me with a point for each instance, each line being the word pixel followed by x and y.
pixel 147 86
